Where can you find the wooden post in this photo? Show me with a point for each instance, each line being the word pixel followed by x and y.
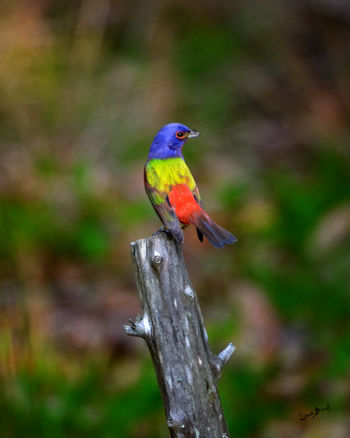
pixel 173 327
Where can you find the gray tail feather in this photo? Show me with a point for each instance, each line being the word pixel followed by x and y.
pixel 216 235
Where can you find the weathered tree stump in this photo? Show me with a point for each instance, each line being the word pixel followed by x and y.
pixel 173 327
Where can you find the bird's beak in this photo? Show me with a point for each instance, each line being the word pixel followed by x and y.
pixel 193 134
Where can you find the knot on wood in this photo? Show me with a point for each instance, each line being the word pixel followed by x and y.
pixel 157 259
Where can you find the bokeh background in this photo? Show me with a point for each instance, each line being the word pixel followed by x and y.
pixel 84 87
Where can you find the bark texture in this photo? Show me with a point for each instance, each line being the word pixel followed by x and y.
pixel 173 327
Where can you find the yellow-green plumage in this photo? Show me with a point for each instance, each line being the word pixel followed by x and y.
pixel 162 174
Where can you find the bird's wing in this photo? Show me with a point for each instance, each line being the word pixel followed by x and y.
pixel 197 196
pixel 164 210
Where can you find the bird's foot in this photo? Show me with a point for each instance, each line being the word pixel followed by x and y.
pixel 162 229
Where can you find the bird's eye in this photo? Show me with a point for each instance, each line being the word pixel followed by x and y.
pixel 180 134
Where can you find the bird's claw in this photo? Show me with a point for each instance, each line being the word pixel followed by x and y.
pixel 162 229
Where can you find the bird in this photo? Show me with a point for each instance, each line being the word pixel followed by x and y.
pixel 172 190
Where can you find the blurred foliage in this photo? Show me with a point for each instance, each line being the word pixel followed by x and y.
pixel 84 87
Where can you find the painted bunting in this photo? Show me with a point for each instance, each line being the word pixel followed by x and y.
pixel 172 190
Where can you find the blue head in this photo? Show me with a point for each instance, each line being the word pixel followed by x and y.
pixel 169 141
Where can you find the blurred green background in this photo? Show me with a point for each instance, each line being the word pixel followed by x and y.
pixel 84 87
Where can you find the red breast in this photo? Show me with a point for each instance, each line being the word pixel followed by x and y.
pixel 183 202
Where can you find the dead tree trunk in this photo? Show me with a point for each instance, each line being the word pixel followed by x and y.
pixel 172 325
